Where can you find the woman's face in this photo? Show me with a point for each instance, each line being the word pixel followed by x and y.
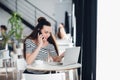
pixel 46 31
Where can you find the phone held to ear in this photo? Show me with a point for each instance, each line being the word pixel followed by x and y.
pixel 39 32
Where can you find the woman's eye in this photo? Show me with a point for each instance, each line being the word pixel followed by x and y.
pixel 46 32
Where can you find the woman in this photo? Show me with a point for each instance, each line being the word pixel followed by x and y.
pixel 61 32
pixel 40 43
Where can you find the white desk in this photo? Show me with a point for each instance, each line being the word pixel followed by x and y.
pixel 47 67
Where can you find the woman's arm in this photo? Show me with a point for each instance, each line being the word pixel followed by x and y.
pixel 30 57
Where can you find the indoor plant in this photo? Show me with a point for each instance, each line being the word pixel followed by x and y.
pixel 6 38
pixel 16 25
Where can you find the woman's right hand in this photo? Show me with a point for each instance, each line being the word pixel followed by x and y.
pixel 40 40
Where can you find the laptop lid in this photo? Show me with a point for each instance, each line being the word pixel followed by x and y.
pixel 71 55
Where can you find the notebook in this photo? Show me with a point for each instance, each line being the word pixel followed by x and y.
pixel 71 56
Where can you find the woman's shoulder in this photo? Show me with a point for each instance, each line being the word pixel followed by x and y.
pixel 50 45
pixel 28 41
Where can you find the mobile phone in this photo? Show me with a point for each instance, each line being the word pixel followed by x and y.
pixel 39 32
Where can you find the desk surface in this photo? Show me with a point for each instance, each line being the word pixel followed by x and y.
pixel 47 67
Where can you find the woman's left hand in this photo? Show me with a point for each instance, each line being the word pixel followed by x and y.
pixel 57 58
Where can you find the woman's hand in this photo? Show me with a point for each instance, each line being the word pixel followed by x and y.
pixel 57 59
pixel 40 40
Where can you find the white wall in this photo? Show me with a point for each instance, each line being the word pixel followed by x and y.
pixel 54 8
pixel 108 40
pixel 3 17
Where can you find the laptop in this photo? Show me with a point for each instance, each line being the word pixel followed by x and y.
pixel 71 56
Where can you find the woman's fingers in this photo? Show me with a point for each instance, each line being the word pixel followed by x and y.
pixel 40 36
pixel 62 55
pixel 40 41
pixel 57 58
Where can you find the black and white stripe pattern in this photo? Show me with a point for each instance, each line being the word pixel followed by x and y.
pixel 43 53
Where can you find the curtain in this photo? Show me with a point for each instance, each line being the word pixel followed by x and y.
pixel 85 12
pixel 66 22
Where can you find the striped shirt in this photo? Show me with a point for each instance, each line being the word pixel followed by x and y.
pixel 43 53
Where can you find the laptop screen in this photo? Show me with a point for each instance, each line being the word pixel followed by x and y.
pixel 71 55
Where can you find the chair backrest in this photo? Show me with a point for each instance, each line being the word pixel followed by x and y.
pixel 21 64
pixel 63 44
pixel 56 76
